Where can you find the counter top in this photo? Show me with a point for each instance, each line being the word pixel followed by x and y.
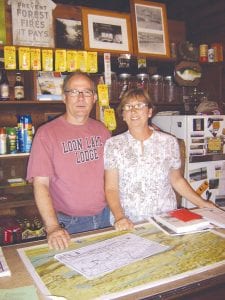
pixel 209 279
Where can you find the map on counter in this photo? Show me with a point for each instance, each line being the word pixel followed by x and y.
pixel 104 257
pixel 187 255
pixel 4 268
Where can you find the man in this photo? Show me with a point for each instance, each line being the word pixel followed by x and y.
pixel 66 166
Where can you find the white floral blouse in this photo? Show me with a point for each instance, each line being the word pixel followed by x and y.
pixel 144 183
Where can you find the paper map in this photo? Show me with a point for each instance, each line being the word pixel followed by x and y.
pixel 104 257
pixel 187 255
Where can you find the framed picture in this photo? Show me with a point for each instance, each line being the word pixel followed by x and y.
pixel 68 34
pixel 106 31
pixel 150 30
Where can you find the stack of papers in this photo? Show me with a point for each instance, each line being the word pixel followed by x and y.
pixel 215 215
pixel 182 221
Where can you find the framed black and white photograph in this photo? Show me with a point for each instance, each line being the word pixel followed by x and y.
pixel 106 31
pixel 69 34
pixel 150 29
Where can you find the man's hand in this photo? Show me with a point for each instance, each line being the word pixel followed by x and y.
pixel 58 238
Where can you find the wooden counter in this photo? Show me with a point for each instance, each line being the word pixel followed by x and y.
pixel 209 283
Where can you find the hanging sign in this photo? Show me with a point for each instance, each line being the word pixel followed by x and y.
pixel 32 22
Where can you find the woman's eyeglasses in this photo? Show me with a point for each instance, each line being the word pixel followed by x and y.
pixel 137 106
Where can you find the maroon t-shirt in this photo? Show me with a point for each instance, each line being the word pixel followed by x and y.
pixel 72 157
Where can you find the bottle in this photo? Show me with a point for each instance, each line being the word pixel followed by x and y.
pixel 18 88
pixel 3 140
pixel 4 86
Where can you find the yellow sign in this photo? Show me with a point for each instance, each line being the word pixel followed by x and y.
pixel 10 57
pixel 60 60
pixel 35 59
pixel 92 62
pixel 47 60
pixel 24 58
pixel 103 95
pixel 71 60
pixel 110 118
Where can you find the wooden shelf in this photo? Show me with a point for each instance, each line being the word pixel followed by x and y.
pixel 19 155
pixel 6 204
pixel 31 102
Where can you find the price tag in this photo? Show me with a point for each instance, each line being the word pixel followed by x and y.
pixel 24 58
pixel 110 118
pixel 82 61
pixel 35 59
pixel 60 60
pixel 103 95
pixel 92 62
pixel 10 57
pixel 47 60
pixel 71 60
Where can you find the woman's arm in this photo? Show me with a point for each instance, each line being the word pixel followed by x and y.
pixel 113 200
pixel 180 184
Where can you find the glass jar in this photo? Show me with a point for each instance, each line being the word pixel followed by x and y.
pixel 113 87
pixel 124 83
pixel 142 81
pixel 156 88
pixel 170 90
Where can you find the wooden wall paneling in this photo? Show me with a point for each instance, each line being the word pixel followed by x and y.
pixel 8 16
pixel 177 31
pixel 211 82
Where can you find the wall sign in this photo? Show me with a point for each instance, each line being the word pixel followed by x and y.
pixel 32 22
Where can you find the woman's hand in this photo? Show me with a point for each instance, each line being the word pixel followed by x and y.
pixel 208 204
pixel 123 224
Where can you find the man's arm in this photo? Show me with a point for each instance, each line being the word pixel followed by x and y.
pixel 58 238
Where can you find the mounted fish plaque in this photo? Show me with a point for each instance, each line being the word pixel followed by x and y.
pixel 187 73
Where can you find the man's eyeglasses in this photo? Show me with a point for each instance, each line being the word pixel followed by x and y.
pixel 137 106
pixel 76 93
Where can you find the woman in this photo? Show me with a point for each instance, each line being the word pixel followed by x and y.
pixel 142 167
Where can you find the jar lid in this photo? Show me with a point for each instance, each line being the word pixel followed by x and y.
pixel 156 77
pixel 142 76
pixel 168 78
pixel 124 75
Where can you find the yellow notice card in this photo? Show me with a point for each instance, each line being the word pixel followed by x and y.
pixel 10 57
pixel 60 60
pixel 47 60
pixel 24 58
pixel 103 95
pixel 110 118
pixel 82 61
pixel 71 60
pixel 35 59
pixel 92 62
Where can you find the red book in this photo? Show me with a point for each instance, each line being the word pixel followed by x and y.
pixel 184 214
